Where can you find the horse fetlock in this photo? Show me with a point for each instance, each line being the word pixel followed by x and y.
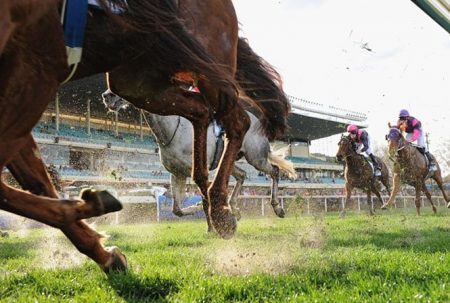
pixel 236 213
pixel 221 216
pixel 224 223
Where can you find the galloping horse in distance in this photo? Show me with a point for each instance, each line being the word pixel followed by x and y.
pixel 358 173
pixel 174 137
pixel 148 42
pixel 410 167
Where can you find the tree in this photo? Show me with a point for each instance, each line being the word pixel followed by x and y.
pixel 382 152
pixel 442 155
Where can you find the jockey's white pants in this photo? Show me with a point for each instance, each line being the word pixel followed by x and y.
pixel 361 146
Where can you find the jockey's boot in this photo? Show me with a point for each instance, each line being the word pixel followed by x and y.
pixel 431 163
pixel 376 166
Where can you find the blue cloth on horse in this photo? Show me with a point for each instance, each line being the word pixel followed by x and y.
pixel 75 22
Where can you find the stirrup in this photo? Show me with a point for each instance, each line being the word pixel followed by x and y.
pixel 432 167
pixel 377 172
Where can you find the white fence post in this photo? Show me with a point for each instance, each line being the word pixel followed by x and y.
pixel 157 208
pixel 307 206
pixel 359 204
pixel 262 207
pixel 326 206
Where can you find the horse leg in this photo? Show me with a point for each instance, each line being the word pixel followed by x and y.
pixel 31 174
pixel 275 176
pixel 51 211
pixel 177 185
pixel 348 194
pixel 240 175
pixel 377 193
pixel 438 178
pixel 428 195
pixel 369 201
pixel 199 165
pixel 417 199
pixel 394 192
pixel 386 182
pixel 236 123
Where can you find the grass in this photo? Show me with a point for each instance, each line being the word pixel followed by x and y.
pixel 392 257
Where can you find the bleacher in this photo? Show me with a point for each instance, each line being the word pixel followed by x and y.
pixel 307 160
pixel 122 164
pixel 97 136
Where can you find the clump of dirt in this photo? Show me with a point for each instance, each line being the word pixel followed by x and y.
pixel 57 252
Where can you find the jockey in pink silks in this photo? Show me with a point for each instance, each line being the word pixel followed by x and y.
pixel 414 132
pixel 364 145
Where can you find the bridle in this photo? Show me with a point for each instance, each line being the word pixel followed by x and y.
pixel 347 141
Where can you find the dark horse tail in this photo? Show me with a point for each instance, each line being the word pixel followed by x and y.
pixel 263 84
pixel 156 27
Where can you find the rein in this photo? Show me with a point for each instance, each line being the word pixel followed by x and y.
pixel 174 132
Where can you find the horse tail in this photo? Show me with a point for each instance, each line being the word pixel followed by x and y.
pixel 277 158
pixel 159 30
pixel 262 83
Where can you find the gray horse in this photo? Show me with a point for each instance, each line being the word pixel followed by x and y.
pixel 174 135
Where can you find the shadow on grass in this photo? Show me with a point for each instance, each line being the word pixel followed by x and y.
pixel 429 240
pixel 134 288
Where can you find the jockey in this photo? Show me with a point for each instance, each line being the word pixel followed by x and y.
pixel 413 129
pixel 363 145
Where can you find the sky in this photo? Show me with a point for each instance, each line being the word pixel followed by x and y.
pixel 376 57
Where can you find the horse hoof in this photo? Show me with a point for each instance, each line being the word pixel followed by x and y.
pixel 280 212
pixel 178 213
pixel 117 263
pixel 102 201
pixel 224 223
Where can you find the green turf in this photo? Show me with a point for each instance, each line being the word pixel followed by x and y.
pixel 392 257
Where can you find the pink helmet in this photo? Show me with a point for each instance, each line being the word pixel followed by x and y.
pixel 352 128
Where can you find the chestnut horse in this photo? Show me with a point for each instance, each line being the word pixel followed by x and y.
pixel 205 20
pixel 359 174
pixel 410 167
pixel 145 46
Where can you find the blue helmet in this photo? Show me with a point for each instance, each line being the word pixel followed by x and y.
pixel 403 113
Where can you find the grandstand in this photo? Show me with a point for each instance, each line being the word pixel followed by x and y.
pixel 89 145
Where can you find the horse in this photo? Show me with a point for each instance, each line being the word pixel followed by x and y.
pixel 358 173
pixel 155 41
pixel 411 167
pixel 174 137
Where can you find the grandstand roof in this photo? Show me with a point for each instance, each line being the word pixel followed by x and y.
pixel 312 120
